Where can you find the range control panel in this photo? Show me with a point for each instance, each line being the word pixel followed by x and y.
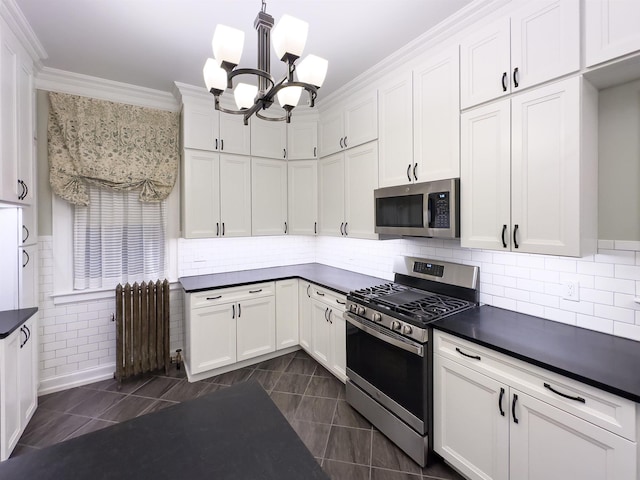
pixel 429 269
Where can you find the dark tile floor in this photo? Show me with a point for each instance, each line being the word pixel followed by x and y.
pixel 343 442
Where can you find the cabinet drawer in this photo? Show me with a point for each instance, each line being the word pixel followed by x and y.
pixel 232 294
pixel 601 408
pixel 329 297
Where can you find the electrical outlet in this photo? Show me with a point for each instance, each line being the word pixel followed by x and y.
pixel 571 291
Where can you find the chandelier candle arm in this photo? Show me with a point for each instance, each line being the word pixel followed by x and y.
pixel 289 38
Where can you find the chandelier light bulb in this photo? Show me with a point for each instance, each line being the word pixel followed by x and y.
pixel 289 37
pixel 227 45
pixel 244 95
pixel 215 77
pixel 313 70
pixel 289 96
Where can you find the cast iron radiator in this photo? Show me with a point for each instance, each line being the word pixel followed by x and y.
pixel 142 328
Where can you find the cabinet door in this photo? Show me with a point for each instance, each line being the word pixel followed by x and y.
pixel 28 276
pixel 545 42
pixel 331 132
pixel 361 179
pixel 235 136
pixel 200 194
pixel 304 314
pixel 485 197
pixel 338 364
pixel 28 226
pixel 320 332
pixel 286 313
pixel 361 120
pixel 28 372
pixel 331 189
pixel 545 169
pixel 395 118
pixel 485 64
pixel 268 139
pixel 235 196
pixel 302 140
pixel 256 327
pixel 303 197
pixel 611 29
pixel 548 443
pixel 436 118
pixel 9 64
pixel 268 197
pixel 10 428
pixel 212 337
pixel 25 133
pixel 200 126
pixel 470 430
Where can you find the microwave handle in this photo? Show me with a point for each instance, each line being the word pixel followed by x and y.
pixel 429 210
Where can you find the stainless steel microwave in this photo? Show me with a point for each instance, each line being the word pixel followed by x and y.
pixel 429 209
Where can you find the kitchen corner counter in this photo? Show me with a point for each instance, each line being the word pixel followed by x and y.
pixel 12 319
pixel 336 279
pixel 597 359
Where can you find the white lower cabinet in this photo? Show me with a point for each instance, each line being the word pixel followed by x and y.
pixel 498 418
pixel 287 313
pixel 18 384
pixel 304 314
pixel 227 325
pixel 328 330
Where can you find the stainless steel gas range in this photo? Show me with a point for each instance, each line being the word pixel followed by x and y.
pixel 389 356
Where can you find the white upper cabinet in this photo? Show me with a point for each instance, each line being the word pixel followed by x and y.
pixel 303 197
pixel 268 197
pixel 200 194
pixel 205 128
pixel 235 196
pixel 548 205
pixel 268 139
pixel 302 140
pixel 436 118
pixel 612 29
pixel 346 184
pixel 16 120
pixel 395 119
pixel 351 125
pixel 539 42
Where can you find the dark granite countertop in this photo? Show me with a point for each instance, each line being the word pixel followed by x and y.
pixel 12 319
pixel 598 359
pixel 233 434
pixel 336 279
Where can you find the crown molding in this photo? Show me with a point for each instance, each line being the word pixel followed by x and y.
pixel 18 23
pixel 438 35
pixel 54 80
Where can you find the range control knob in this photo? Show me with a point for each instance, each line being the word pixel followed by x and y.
pixel 395 325
pixel 361 310
pixel 377 317
pixel 353 308
pixel 407 330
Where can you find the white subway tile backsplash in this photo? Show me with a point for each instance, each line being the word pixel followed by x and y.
pixel 604 325
pixel 533 284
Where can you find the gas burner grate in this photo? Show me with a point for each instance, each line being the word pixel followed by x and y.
pixel 433 306
pixel 371 293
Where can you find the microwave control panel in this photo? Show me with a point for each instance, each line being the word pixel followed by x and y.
pixel 439 204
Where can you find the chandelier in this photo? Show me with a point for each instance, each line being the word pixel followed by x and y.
pixel 289 37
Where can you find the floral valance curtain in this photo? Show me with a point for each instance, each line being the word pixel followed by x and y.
pixel 113 145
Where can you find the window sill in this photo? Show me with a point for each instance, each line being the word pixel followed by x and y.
pixel 79 296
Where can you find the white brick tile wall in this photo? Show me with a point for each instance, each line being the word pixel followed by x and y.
pixel 533 284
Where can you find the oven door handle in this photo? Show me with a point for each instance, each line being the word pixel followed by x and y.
pixel 415 349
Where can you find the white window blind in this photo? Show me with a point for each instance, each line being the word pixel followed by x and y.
pixel 117 239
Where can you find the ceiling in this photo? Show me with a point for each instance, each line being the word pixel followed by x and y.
pixel 152 43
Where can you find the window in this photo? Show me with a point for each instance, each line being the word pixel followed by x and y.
pixel 117 239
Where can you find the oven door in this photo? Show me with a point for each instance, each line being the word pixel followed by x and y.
pixel 389 368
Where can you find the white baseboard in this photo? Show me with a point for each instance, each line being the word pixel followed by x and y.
pixel 76 379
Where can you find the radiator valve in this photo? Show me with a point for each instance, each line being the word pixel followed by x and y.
pixel 178 358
